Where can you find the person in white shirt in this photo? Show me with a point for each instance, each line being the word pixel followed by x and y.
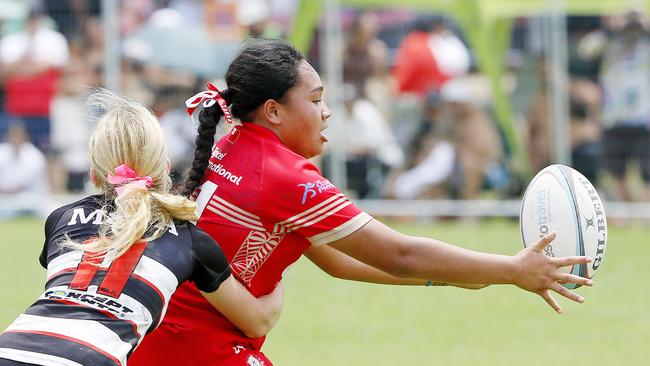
pixel 23 174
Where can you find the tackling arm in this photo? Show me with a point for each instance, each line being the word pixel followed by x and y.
pixel 253 316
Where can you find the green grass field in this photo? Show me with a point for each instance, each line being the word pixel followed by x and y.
pixel 333 322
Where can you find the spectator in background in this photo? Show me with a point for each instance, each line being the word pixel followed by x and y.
pixel 365 137
pixel 539 124
pixel 364 53
pixel 431 159
pixel 70 15
pixel 93 45
pixel 177 128
pixel 456 151
pixel 428 57
pixel 70 127
pixel 477 141
pixel 364 62
pixel 586 129
pixel 23 174
pixel 255 16
pixel 625 81
pixel 30 67
pixel 133 14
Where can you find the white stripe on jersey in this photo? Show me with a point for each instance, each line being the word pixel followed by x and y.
pixel 297 221
pixel 233 213
pixel 87 331
pixel 65 261
pixel 159 276
pixel 319 215
pixel 341 231
pixel 140 315
pixel 235 220
pixel 238 209
pixel 312 209
pixel 35 358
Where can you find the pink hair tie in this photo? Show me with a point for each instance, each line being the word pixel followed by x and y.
pixel 124 176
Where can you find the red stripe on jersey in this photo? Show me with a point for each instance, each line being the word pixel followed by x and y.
pixel 107 313
pixel 121 269
pixel 61 336
pixel 86 271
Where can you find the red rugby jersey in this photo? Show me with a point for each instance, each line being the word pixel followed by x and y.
pixel 265 205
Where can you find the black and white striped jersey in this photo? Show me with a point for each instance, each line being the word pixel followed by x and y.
pixel 95 312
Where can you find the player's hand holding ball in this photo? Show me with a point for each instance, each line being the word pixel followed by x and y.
pixel 564 231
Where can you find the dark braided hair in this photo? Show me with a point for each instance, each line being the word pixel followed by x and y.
pixel 264 69
pixel 208 120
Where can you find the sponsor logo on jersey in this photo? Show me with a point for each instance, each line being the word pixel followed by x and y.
pixel 100 302
pixel 310 192
pixel 254 361
pixel 313 188
pixel 223 172
pixel 217 153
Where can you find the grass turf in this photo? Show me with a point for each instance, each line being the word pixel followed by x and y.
pixel 333 322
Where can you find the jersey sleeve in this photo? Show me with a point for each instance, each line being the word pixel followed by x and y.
pixel 50 226
pixel 210 266
pixel 301 200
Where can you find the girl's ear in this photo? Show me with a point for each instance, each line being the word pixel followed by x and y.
pixel 271 112
pixel 93 178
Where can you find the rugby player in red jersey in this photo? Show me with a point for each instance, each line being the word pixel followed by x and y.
pixel 267 205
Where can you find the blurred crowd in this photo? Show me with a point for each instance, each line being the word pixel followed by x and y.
pixel 416 120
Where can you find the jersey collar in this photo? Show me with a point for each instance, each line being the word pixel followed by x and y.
pixel 260 131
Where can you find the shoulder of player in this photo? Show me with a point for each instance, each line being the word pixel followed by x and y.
pixel 90 203
pixel 197 235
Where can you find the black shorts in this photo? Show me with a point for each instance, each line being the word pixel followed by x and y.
pixel 624 143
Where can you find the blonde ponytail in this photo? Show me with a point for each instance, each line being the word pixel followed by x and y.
pixel 128 134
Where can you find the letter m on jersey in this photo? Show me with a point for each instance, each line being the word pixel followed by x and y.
pixel 79 214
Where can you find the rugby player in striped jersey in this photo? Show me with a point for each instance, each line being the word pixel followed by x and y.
pixel 114 259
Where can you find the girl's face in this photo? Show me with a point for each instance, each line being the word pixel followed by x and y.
pixel 304 114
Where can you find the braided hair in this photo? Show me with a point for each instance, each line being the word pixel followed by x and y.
pixel 264 69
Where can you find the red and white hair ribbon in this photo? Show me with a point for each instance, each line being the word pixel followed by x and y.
pixel 208 98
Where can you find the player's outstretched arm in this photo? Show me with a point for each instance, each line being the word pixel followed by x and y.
pixel 406 256
pixel 341 265
pixel 254 316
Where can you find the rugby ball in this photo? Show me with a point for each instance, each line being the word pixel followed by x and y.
pixel 561 199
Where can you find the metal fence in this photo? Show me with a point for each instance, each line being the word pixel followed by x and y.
pixel 160 52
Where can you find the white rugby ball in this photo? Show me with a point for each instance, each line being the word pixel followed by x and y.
pixel 561 199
